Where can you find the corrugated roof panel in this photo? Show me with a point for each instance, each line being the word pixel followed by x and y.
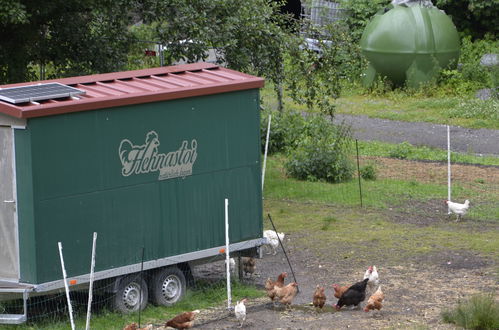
pixel 119 89
pixel 227 75
pixel 146 85
pixel 156 83
pixel 200 78
pixel 91 92
pixel 130 86
pixel 102 89
pixel 207 74
pixel 135 87
pixel 173 79
pixel 166 83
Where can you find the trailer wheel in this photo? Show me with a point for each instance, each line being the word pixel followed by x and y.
pixel 168 286
pixel 131 295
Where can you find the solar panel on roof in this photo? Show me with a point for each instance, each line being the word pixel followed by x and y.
pixel 37 92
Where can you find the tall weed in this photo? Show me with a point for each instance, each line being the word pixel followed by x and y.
pixel 479 312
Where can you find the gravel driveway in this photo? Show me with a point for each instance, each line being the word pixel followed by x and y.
pixel 478 141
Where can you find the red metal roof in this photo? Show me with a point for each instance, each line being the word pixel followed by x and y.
pixel 135 87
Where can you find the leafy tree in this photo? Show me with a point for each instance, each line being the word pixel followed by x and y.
pixel 90 36
pixel 475 18
pixel 75 37
pixel 12 12
pixel 250 36
pixel 359 13
pixel 315 78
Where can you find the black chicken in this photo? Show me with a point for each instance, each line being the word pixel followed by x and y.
pixel 354 295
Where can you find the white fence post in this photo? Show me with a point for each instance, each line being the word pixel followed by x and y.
pixel 266 149
pixel 66 287
pixel 227 254
pixel 448 169
pixel 90 289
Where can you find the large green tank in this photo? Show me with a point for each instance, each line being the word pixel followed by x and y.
pixel 409 44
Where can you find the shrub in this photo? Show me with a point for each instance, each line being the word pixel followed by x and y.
pixel 285 129
pixel 321 152
pixel 368 172
pixel 401 151
pixel 479 312
pixel 471 53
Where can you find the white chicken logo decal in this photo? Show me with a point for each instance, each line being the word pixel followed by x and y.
pixel 145 158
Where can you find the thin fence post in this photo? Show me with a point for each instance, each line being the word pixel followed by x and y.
pixel 448 169
pixel 141 281
pixel 358 171
pixel 227 254
pixel 64 275
pixel 266 150
pixel 282 246
pixel 161 54
pixel 90 289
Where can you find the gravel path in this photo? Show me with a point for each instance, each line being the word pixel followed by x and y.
pixel 478 141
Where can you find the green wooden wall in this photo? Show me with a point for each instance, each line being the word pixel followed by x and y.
pixel 72 183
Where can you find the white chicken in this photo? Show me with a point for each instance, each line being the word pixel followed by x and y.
pixel 240 311
pixel 458 209
pixel 232 265
pixel 372 274
pixel 273 240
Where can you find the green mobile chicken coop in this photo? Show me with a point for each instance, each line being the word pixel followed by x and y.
pixel 145 159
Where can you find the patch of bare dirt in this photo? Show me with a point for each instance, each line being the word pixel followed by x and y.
pixel 434 172
pixel 416 292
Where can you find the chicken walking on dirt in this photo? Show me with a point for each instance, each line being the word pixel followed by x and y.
pixel 269 285
pixel 319 298
pixel 240 311
pixel 375 301
pixel 183 321
pixel 287 293
pixel 249 265
pixel 373 277
pixel 273 240
pixel 134 326
pixel 353 296
pixel 458 209
pixel 339 290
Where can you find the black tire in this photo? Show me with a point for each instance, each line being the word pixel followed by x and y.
pixel 167 286
pixel 130 288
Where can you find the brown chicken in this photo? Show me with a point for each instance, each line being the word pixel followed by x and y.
pixel 134 326
pixel 319 297
pixel 182 321
pixel 249 265
pixel 269 285
pixel 287 293
pixel 375 300
pixel 339 290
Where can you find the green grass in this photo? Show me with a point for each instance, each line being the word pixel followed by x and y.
pixel 479 312
pixel 205 296
pixel 399 105
pixel 368 234
pixel 331 213
pixel 383 149
pixel 381 193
